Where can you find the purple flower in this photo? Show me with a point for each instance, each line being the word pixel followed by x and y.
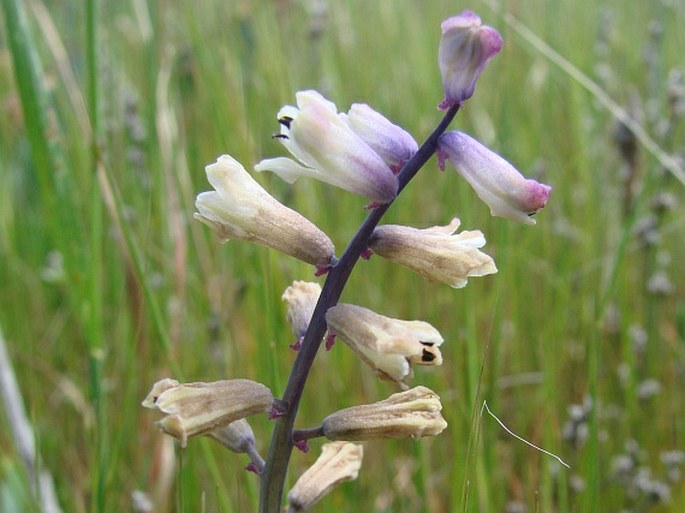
pixel 508 193
pixel 465 48
pixel 393 143
pixel 329 150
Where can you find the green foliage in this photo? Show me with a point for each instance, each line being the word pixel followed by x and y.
pixel 107 283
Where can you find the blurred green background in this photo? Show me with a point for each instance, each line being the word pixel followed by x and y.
pixel 109 112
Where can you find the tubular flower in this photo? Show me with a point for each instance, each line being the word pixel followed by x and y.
pixel 329 150
pixel 301 298
pixel 195 409
pixel 239 208
pixel 389 346
pixel 339 462
pixel 414 413
pixel 437 253
pixel 392 142
pixel 508 193
pixel 465 48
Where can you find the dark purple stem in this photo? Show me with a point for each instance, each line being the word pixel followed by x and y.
pixel 281 446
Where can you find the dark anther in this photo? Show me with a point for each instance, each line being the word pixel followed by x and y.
pixel 427 356
pixel 285 121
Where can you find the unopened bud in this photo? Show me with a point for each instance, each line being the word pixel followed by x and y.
pixel 301 298
pixel 390 346
pixel 466 47
pixel 414 413
pixel 339 462
pixel 437 253
pixel 195 409
pixel 393 143
pixel 239 208
pixel 236 436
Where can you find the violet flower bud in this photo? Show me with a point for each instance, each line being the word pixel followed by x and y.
pixel 329 150
pixel 508 193
pixel 437 253
pixel 195 409
pixel 389 346
pixel 465 48
pixel 240 208
pixel 393 143
pixel 414 413
pixel 339 462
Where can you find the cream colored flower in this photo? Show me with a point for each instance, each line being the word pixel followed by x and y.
pixel 301 298
pixel 339 462
pixel 390 346
pixel 437 253
pixel 195 409
pixel 414 413
pixel 239 208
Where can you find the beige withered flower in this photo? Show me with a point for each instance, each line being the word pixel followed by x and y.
pixel 301 298
pixel 339 462
pixel 413 413
pixel 239 208
pixel 437 253
pixel 194 409
pixel 390 346
pixel 236 436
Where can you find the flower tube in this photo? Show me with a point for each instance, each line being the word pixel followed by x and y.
pixel 414 413
pixel 437 253
pixel 239 208
pixel 195 409
pixel 506 191
pixel 389 346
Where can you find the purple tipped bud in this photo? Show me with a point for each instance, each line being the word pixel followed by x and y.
pixel 506 191
pixel 393 143
pixel 465 48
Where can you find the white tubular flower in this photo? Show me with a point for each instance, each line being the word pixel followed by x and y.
pixel 437 253
pixel 339 462
pixel 392 142
pixel 414 413
pixel 239 208
pixel 195 409
pixel 328 150
pixel 389 346
pixel 301 298
pixel 506 191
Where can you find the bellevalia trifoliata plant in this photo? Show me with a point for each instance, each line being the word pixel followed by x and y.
pixel 364 153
